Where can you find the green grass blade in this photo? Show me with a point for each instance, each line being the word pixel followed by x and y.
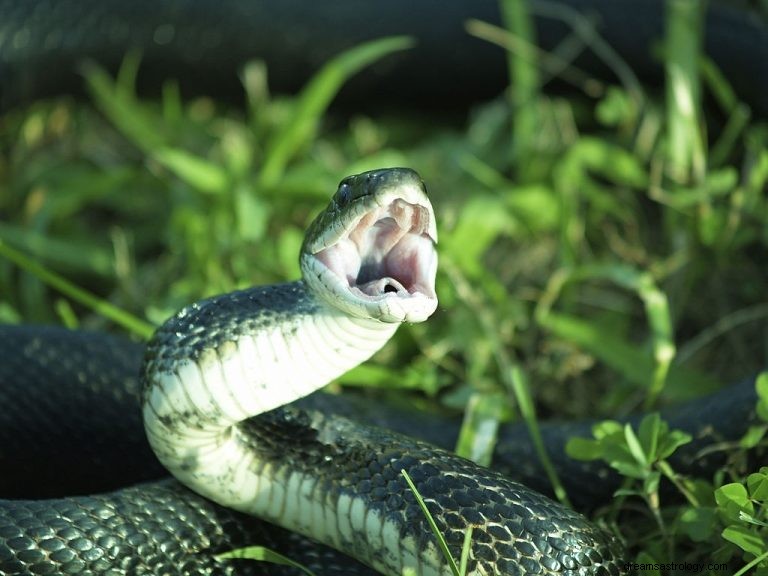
pixel 117 101
pixel 515 379
pixel 80 257
pixel 102 307
pixel 524 80
pixel 262 554
pixel 685 147
pixel 624 357
pixel 611 350
pixel 201 174
pixel 433 526
pixel 479 431
pixel 316 97
pixel 510 373
pixel 747 567
pixel 465 549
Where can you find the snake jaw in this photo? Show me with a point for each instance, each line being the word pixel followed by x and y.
pixel 382 263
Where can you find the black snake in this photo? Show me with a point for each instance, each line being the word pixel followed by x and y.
pixel 163 528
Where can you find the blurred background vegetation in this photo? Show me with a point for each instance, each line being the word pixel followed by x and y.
pixel 602 250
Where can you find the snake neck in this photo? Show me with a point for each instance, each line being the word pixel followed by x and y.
pixel 224 360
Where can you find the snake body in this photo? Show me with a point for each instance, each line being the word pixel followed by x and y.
pixel 49 453
pixel 204 43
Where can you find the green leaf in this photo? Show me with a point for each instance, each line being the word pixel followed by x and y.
pixel 60 253
pixel 718 183
pixel 629 469
pixel 615 450
pixel 732 499
pixel 262 554
pixel 610 161
pixel 416 376
pixel 749 519
pixel 466 549
pixel 761 385
pixel 624 492
pixel 535 206
pixel 753 436
pixel 650 430
pixel 117 101
pixel 649 564
pixel 288 245
pixel 745 538
pixel 607 429
pixel 635 447
pixel 99 305
pixel 703 491
pixel 369 374
pixel 671 442
pixel 615 108
pixel 698 523
pixel 757 484
pixel 252 214
pixel 199 173
pixel 616 350
pixel 481 219
pixel 8 315
pixel 584 449
pixel 610 348
pixel 315 98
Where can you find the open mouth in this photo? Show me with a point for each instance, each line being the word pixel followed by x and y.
pixel 389 251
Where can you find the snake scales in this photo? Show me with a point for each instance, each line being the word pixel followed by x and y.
pixel 170 525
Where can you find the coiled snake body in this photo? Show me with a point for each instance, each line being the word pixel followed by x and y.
pixel 368 263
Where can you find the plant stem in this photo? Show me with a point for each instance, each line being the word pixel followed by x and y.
pixel 685 146
pixel 524 80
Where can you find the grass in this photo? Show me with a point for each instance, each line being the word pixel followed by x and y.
pixel 459 569
pixel 611 256
pixel 261 554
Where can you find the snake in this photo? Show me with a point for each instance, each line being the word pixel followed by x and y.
pixel 162 527
pixel 218 375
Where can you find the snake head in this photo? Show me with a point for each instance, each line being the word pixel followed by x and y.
pixel 371 253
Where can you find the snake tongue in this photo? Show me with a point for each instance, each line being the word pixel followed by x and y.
pixel 381 286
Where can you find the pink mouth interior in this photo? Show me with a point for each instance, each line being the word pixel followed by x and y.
pixel 388 251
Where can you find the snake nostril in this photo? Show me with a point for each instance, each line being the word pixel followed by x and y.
pixel 390 288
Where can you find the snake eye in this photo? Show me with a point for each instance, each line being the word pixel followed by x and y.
pixel 344 194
